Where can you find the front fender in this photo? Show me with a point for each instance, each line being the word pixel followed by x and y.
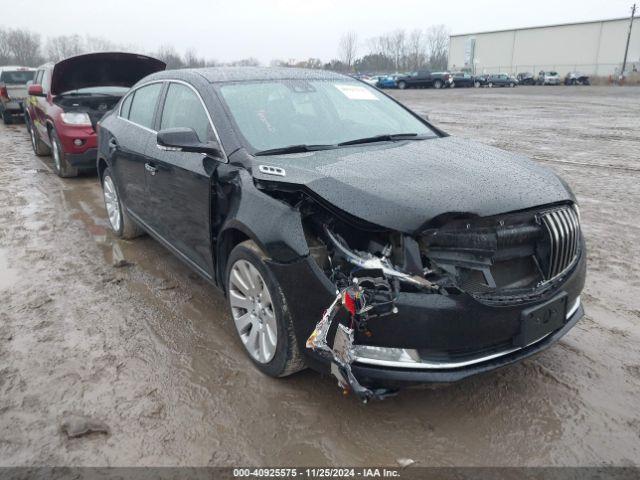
pixel 275 226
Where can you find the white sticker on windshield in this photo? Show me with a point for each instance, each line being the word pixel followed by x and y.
pixel 356 92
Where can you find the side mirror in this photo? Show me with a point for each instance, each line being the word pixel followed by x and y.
pixel 186 140
pixel 35 90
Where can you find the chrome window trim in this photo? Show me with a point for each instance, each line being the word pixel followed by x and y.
pixel 169 81
pixel 453 365
pixel 131 92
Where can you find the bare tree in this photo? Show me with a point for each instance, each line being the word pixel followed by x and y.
pixel 64 46
pixel 99 44
pixel 191 59
pixel 245 62
pixel 170 56
pixel 348 49
pixel 416 50
pixel 438 46
pixel 23 47
pixel 5 51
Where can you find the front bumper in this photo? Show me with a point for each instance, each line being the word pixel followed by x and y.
pixel 466 336
pixel 85 160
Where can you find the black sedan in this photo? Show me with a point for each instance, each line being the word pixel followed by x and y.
pixel 500 80
pixel 348 233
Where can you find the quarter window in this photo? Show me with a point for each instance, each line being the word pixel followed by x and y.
pixel 143 105
pixel 183 108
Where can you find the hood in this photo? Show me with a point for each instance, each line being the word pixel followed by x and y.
pixel 102 69
pixel 402 186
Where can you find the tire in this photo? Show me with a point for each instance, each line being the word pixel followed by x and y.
pixel 511 85
pixel 248 277
pixel 402 85
pixel 125 227
pixel 437 84
pixel 60 163
pixel 490 85
pixel 39 147
pixel 452 85
pixel 477 84
pixel 7 118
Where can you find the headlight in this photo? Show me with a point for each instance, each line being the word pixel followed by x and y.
pixel 75 118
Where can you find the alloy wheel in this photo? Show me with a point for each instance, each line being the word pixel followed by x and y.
pixel 56 154
pixel 34 140
pixel 253 311
pixel 112 203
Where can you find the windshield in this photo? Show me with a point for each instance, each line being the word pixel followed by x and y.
pixel 109 90
pixel 277 114
pixel 19 77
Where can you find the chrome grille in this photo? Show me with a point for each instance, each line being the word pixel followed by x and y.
pixel 563 229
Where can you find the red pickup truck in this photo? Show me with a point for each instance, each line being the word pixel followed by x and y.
pixel 67 99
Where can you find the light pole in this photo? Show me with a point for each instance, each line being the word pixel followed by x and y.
pixel 626 49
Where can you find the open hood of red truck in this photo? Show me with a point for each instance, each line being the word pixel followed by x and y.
pixel 102 69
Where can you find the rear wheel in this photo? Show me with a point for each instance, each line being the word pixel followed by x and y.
pixel 402 85
pixel 512 84
pixel 490 85
pixel 262 321
pixel 60 163
pixel 476 84
pixel 121 223
pixel 437 84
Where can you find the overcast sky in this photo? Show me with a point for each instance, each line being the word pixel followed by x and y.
pixel 284 29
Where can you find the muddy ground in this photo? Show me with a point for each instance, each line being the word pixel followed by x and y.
pixel 150 349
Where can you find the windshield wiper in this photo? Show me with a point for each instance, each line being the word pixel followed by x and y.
pixel 387 137
pixel 294 149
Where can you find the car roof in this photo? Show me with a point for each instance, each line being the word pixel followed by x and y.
pixel 247 74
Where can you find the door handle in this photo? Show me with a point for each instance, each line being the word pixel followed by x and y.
pixel 113 144
pixel 150 168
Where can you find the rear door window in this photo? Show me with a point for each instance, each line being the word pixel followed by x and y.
pixel 126 106
pixel 183 108
pixel 143 105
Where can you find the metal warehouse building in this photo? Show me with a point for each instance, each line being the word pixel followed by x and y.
pixel 594 48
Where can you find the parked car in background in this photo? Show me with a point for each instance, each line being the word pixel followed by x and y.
pixel 67 99
pixel 577 78
pixel 500 80
pixel 526 78
pixel 315 201
pixel 462 79
pixel 424 79
pixel 387 81
pixel 548 78
pixel 13 91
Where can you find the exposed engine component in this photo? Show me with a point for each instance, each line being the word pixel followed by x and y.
pixel 366 297
pixel 369 261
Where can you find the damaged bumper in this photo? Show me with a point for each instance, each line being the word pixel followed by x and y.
pixel 432 337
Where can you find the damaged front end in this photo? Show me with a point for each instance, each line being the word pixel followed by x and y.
pixel 450 295
pixel 504 261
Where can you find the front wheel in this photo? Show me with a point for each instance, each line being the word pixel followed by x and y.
pixel 476 84
pixel 490 85
pixel 7 118
pixel 39 147
pixel 60 163
pixel 437 84
pixel 402 85
pixel 258 310
pixel 512 85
